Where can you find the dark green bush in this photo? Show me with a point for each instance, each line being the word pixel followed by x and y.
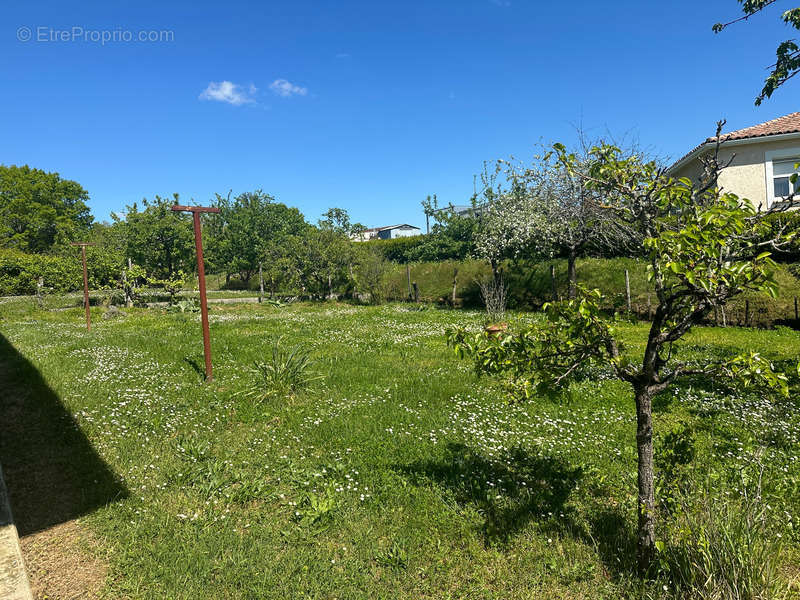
pixel 20 272
pixel 397 250
pixel 435 247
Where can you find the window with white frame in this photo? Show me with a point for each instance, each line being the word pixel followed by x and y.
pixel 781 178
pixel 779 169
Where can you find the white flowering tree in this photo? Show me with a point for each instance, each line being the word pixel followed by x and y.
pixel 547 210
pixel 704 247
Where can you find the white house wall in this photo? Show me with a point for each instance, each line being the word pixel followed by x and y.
pixel 746 176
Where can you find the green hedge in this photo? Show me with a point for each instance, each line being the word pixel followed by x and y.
pixel 435 247
pixel 20 272
pixel 398 249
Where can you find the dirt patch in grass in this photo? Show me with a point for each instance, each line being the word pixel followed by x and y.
pixel 61 563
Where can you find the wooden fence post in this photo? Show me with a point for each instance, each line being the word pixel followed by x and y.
pixel 747 313
pixel 416 291
pixel 627 290
pixel 455 283
pixel 553 282
pixel 260 282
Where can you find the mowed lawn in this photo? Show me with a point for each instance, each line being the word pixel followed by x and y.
pixel 399 474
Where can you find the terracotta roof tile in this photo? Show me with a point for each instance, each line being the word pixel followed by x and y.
pixel 786 124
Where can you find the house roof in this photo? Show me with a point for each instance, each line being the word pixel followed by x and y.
pixel 786 124
pixel 395 227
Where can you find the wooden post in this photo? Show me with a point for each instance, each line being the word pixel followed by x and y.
pixel 85 283
pixel 455 283
pixel 260 282
pixel 553 282
pixel 747 313
pixel 416 292
pixel 408 277
pixel 40 292
pixel 627 290
pixel 130 296
pixel 201 278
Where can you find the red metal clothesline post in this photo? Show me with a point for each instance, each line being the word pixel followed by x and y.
pixel 201 276
pixel 85 282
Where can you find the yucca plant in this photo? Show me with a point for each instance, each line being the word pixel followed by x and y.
pixel 287 371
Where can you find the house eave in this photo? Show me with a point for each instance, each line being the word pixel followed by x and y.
pixel 750 140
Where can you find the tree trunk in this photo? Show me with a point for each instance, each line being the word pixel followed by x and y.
pixel 572 274
pixel 352 282
pixel 260 282
pixel 627 290
pixel 646 536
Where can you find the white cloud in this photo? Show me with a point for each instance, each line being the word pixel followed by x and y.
pixel 286 89
pixel 226 91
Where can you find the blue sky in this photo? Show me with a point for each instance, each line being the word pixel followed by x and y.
pixel 369 106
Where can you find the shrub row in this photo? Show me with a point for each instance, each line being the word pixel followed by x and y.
pixel 20 272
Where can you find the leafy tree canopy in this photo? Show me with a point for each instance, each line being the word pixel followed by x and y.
pixel 787 61
pixel 158 238
pixel 248 230
pixel 39 210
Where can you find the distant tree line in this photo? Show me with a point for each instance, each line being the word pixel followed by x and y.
pixel 521 213
pixel 253 237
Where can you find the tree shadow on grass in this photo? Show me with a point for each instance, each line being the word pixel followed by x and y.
pixel 509 491
pixel 52 472
pixel 530 488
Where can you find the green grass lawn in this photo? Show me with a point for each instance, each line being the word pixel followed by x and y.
pixel 398 474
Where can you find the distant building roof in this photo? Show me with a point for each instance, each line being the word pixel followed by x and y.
pixel 786 124
pixel 393 227
pixel 455 207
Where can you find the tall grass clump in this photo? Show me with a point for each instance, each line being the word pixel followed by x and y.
pixel 494 293
pixel 723 546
